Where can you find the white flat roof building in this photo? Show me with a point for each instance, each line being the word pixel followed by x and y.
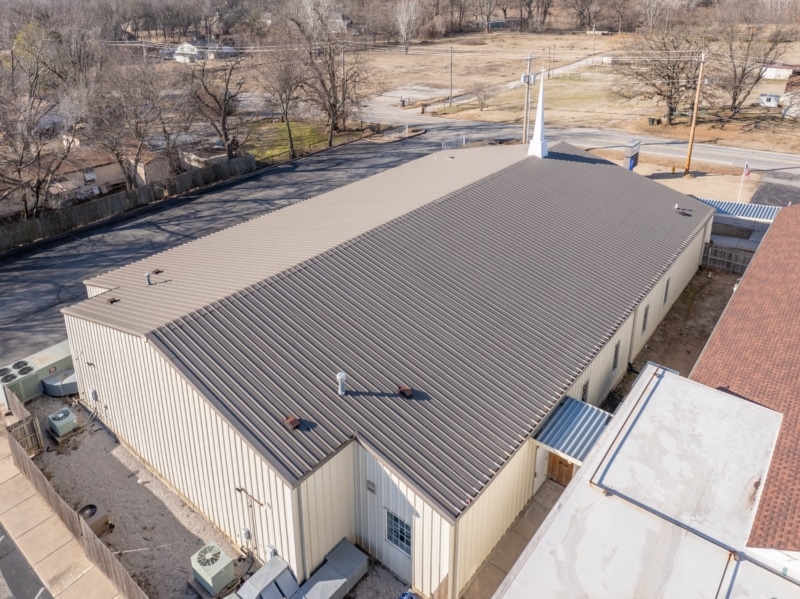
pixel 663 505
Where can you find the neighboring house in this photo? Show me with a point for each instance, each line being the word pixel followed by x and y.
pixel 87 172
pixel 152 168
pixel 753 353
pixel 493 282
pixel 202 50
pixel 664 504
pixel 778 71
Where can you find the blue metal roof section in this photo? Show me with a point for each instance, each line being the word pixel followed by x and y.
pixel 751 211
pixel 573 428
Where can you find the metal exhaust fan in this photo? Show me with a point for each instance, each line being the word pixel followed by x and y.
pixel 62 422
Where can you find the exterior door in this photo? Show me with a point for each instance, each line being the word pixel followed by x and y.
pixel 559 469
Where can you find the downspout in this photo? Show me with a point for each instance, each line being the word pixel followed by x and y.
pixel 301 521
pixel 452 591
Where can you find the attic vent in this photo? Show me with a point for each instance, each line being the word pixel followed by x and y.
pixel 405 390
pixel 112 300
pixel 370 486
pixel 291 422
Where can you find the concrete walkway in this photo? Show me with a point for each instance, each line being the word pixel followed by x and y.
pixel 55 555
pixel 508 549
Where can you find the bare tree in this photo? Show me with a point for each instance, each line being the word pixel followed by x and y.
pixel 34 111
pixel 586 11
pixel 215 92
pixel 407 14
pixel 746 43
pixel 651 12
pixel 282 77
pixel 483 92
pixel 624 11
pixel 662 66
pixel 334 72
pixel 485 9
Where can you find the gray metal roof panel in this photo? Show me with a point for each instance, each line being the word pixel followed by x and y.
pixel 573 428
pixel 489 302
pixel 750 211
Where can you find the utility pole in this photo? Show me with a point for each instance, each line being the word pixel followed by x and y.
pixel 451 78
pixel 526 119
pixel 694 114
pixel 593 38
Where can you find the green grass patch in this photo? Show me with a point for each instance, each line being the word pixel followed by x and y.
pixel 269 140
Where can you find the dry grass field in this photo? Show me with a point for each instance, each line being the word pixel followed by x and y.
pixel 576 97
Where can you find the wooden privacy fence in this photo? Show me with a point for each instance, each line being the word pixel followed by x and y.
pixel 25 430
pixel 95 549
pixel 727 259
pixel 60 221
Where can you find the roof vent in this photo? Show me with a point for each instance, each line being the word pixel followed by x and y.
pixel 406 391
pixel 291 422
pixel 341 377
pixel 112 300
pixel 147 276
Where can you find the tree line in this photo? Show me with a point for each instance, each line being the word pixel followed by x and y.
pixel 68 72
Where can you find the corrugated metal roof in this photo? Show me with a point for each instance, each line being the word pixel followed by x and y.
pixel 489 302
pixel 573 428
pixel 751 211
pixel 207 270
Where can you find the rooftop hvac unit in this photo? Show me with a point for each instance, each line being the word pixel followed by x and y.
pixel 24 377
pixel 62 422
pixel 212 568
pixel 61 384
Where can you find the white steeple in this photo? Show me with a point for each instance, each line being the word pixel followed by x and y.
pixel 538 145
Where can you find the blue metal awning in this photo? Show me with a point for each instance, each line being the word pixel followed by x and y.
pixel 573 429
pixel 749 211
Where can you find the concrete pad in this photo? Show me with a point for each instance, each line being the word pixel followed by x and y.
pixel 42 540
pixel 548 494
pixel 25 516
pixel 530 520
pixel 14 491
pixel 63 567
pixel 7 469
pixel 92 585
pixel 484 583
pixel 505 553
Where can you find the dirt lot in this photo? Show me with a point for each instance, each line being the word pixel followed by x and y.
pixel 682 335
pixel 155 532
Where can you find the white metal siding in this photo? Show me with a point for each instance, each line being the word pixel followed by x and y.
pixel 490 515
pixel 600 372
pixel 430 533
pixel 679 275
pixel 92 290
pixel 328 506
pixel 180 437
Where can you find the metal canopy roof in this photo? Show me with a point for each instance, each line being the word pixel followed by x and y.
pixel 748 211
pixel 573 429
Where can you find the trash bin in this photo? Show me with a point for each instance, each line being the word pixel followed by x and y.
pixel 651 121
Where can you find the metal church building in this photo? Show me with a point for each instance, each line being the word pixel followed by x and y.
pixel 492 282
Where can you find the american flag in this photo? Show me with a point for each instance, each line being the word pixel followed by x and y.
pixel 746 170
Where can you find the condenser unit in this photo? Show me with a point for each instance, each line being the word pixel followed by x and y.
pixel 24 377
pixel 212 568
pixel 62 422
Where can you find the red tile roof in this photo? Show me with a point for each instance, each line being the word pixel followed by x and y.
pixel 754 352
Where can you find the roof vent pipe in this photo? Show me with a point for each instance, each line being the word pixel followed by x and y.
pixel 147 276
pixel 341 377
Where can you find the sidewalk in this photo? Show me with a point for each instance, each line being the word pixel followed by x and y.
pixel 55 555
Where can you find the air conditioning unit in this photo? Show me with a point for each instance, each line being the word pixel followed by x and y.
pixel 61 383
pixel 212 568
pixel 62 422
pixel 96 517
pixel 24 377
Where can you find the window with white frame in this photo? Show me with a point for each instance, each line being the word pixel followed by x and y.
pixel 398 533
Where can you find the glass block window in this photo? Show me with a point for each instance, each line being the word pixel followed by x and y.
pixel 398 533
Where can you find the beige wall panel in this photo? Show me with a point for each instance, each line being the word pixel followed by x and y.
pixel 181 438
pixel 428 564
pixel 495 509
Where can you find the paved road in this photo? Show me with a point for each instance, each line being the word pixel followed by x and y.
pixel 38 282
pixel 17 578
